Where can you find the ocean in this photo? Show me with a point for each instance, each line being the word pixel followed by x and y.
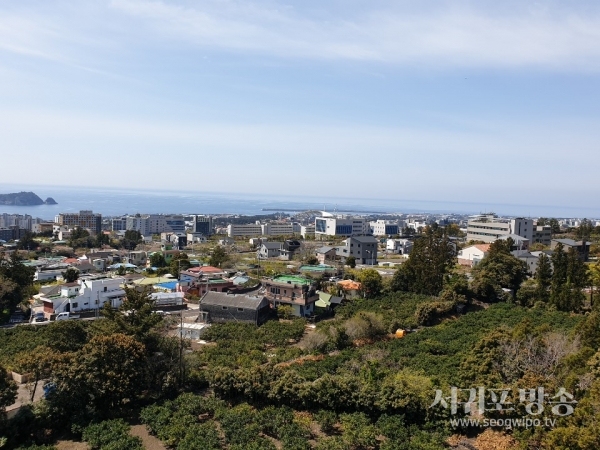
pixel 116 202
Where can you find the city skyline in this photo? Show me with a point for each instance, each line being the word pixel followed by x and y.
pixel 465 102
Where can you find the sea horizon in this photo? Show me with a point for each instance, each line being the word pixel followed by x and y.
pixel 121 201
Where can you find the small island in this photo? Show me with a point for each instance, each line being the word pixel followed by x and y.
pixel 24 199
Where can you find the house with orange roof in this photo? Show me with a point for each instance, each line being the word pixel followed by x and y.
pixel 350 288
pixel 471 256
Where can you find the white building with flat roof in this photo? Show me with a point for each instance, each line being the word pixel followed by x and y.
pixel 246 229
pixel 489 228
pixel 330 225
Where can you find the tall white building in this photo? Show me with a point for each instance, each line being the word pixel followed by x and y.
pixel 246 229
pixel 489 228
pixel 148 224
pixel 386 227
pixel 330 225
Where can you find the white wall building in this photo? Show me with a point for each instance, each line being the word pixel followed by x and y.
pixel 148 224
pixel 386 227
pixel 247 229
pixel 86 295
pixel 330 225
pixel 307 230
pixel 277 229
pixel 489 228
pixel 471 256
pixel 399 246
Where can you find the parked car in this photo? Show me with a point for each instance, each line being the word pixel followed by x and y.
pixel 66 316
pixel 38 317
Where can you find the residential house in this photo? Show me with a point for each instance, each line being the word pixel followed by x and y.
pixel 296 291
pixel 519 243
pixel 86 295
pixel 326 254
pixel 138 258
pixel 528 258
pixel 269 250
pixel 223 307
pixel 350 288
pixel 362 248
pixel 471 256
pixel 399 246
pixel 581 247
pixel 289 248
pixel 327 300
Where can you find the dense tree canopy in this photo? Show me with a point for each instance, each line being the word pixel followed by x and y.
pixel 429 262
pixel 497 271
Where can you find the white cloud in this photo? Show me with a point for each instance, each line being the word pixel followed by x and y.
pixel 467 35
pixel 430 34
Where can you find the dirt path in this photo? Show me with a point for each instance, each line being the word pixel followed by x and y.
pixel 150 442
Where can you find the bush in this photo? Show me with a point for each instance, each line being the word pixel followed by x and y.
pixel 326 419
pixel 201 437
pixel 111 435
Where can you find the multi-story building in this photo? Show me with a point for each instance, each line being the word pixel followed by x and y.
pixel 202 224
pixel 247 229
pixel 277 229
pixel 118 224
pixel 83 219
pixel 148 224
pixel 489 228
pixel 385 227
pixel 298 292
pixel 307 231
pixel 330 225
pixel 12 233
pixel 86 295
pixel 362 248
pixel 543 234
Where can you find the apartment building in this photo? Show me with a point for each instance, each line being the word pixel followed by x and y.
pixel 543 234
pixel 202 224
pixel 489 228
pixel 83 219
pixel 246 229
pixel 148 224
pixel 277 229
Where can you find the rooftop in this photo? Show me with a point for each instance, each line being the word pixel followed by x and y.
pixel 291 279
pixel 318 268
pixel 233 300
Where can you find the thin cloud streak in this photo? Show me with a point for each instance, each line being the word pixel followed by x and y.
pixel 432 35
pixel 463 37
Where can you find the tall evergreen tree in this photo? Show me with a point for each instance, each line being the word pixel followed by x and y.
pixel 497 271
pixel 569 277
pixel 430 260
pixel 543 278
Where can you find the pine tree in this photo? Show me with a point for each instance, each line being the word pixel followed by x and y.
pixel 430 260
pixel 543 278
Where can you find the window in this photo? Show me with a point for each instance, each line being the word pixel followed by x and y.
pixel 224 307
pixel 105 288
pixel 75 305
pixel 240 309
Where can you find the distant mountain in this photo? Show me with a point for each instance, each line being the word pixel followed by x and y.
pixel 24 199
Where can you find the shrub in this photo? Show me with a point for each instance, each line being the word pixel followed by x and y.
pixel 326 419
pixel 201 437
pixel 111 435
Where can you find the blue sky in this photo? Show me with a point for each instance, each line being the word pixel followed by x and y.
pixel 463 101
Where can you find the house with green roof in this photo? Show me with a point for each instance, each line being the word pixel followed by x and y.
pixel 296 291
